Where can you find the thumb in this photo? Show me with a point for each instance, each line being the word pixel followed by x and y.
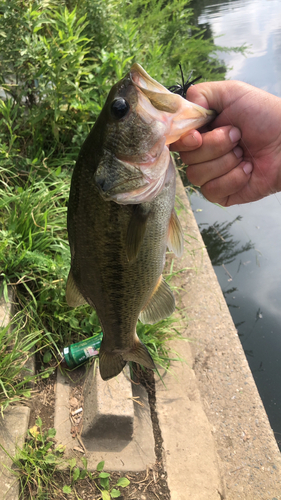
pixel 219 96
pixel 209 95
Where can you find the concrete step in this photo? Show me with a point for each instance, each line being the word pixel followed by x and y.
pixel 116 429
pixel 108 408
pixel 13 428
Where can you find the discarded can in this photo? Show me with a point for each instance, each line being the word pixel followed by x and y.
pixel 76 354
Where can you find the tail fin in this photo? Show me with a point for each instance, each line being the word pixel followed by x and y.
pixel 113 363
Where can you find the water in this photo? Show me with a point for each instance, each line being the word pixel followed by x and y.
pixel 256 24
pixel 246 253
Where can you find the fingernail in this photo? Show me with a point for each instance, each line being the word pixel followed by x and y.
pixel 238 152
pixel 234 134
pixel 190 141
pixel 248 167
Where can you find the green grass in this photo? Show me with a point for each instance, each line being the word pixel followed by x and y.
pixel 15 350
pixel 157 337
pixel 59 61
pixel 43 472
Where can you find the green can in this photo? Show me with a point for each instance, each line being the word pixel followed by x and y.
pixel 76 354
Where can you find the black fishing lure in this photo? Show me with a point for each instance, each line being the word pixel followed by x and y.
pixel 183 88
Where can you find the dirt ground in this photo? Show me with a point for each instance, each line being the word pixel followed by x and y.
pixel 149 484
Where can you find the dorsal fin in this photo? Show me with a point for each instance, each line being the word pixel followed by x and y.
pixel 175 235
pixel 136 231
pixel 73 297
pixel 160 305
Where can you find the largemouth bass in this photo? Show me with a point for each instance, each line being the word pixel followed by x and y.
pixel 121 215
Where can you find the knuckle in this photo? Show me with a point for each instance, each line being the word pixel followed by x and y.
pixel 193 176
pixel 222 145
pixel 211 191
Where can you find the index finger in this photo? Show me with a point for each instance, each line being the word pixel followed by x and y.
pixel 215 143
pixel 205 95
pixel 192 140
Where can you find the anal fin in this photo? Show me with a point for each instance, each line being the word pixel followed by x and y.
pixel 139 354
pixel 175 235
pixel 73 297
pixel 160 305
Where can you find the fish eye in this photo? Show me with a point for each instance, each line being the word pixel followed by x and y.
pixel 119 108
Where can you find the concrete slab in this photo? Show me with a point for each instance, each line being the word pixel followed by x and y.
pixel 13 429
pixel 120 454
pixel 6 308
pixel 108 408
pixel 217 440
pixel 189 450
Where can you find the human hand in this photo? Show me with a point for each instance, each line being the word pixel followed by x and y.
pixel 239 159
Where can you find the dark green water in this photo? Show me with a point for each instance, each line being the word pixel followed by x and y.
pixel 244 242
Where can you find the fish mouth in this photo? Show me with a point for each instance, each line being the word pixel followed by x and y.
pixel 179 115
pixel 167 116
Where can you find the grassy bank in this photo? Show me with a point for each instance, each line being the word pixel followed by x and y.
pixel 58 62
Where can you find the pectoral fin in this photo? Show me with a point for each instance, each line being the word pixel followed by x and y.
pixel 175 235
pixel 160 305
pixel 136 231
pixel 73 297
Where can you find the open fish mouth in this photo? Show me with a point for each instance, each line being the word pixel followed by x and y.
pixel 159 96
pixel 151 118
pixel 179 114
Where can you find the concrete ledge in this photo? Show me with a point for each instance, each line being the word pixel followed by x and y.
pixel 13 429
pixel 189 450
pixel 108 407
pixel 217 439
pixel 14 423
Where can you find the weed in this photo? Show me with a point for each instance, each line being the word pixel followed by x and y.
pixel 156 339
pixel 36 462
pixel 39 467
pixel 101 479
pixel 15 351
